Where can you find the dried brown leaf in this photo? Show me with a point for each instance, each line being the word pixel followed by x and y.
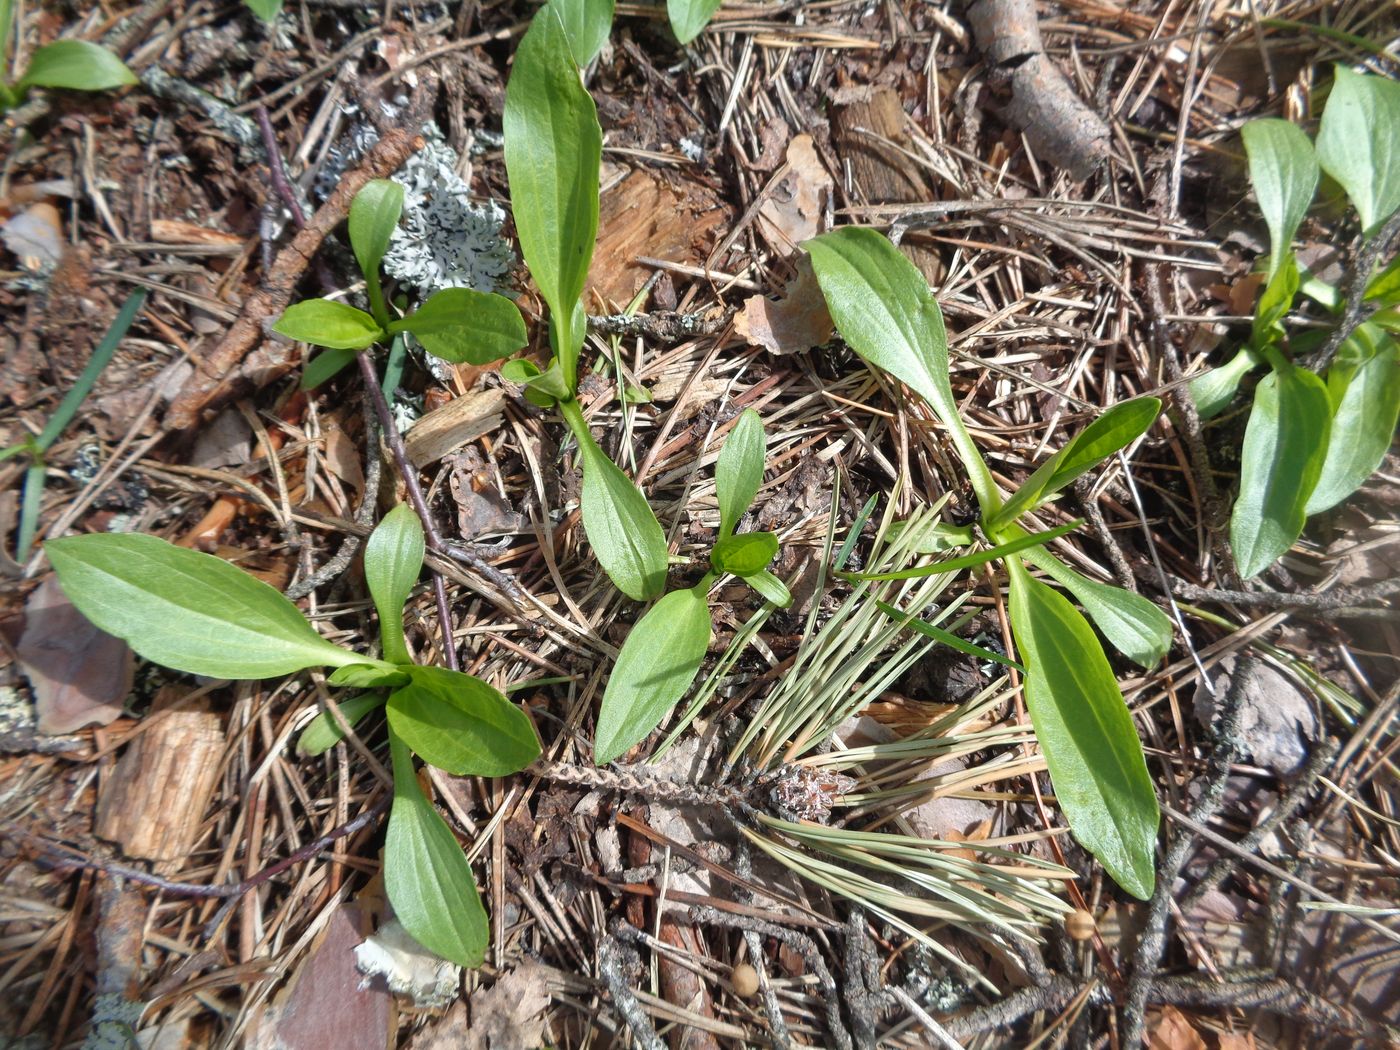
pixel 790 325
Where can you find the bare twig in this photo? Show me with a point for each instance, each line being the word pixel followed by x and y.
pixel 1336 602
pixel 1375 250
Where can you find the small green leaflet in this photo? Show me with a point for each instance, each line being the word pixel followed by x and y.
pixel 1285 445
pixel 688 17
pixel 745 555
pixel 187 610
pixel 1115 429
pixel 374 214
pixel 770 588
pixel 337 326
pixel 426 874
pixel 393 560
pixel 462 324
pixel 461 725
pixel 739 470
pixel 1275 303
pixel 1214 390
pixel 586 24
pixel 76 65
pixel 368 676
pixel 1364 385
pixel 1358 146
pixel 1091 746
pixel 322 733
pixel 1283 169
pixel 657 664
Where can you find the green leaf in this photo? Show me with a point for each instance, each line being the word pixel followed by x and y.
pixel 1274 304
pixel 323 732
pixel 519 370
pixel 1364 386
pixel 1214 390
pixel 938 634
pixel 266 10
pixel 1132 624
pixel 657 664
pixel 1283 169
pixel 770 588
pixel 337 326
pixel 739 470
pixel 393 560
pixel 462 725
pixel 1357 144
pixel 188 610
pixel 1384 288
pixel 368 676
pixel 1091 746
pixel 76 65
pixel 374 214
pixel 553 149
pixel 426 874
pixel 1285 444
pixel 324 366
pixel 586 24
pixel 1019 542
pixel 688 17
pixel 1115 429
pixel 626 537
pixel 462 324
pixel 746 554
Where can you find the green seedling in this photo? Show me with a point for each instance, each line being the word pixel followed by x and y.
pixel 553 149
pixel 689 17
pixel 886 312
pixel 74 65
pixel 454 324
pixel 664 651
pixel 196 613
pixel 36 447
pixel 266 10
pixel 1311 441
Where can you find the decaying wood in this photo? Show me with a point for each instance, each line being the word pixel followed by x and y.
pixel 155 801
pixel 212 383
pixel 446 429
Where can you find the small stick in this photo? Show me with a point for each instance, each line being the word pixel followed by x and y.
pixel 1374 250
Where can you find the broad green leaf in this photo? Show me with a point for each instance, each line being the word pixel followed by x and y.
pixel 461 725
pixel 770 588
pixel 374 214
pixel 1283 169
pixel 1091 746
pixel 1358 146
pixel 553 149
pixel 324 366
pixel 1364 385
pixel 1214 390
pixel 76 65
pixel 657 664
pixel 1021 541
pixel 323 732
pixel 188 610
pixel 1115 429
pixel 393 560
pixel 1132 624
pixel 688 17
pixel 626 537
pixel 368 676
pixel 586 24
pixel 739 470
pixel 322 322
pixel 266 10
pixel 426 874
pixel 745 554
pixel 1285 444
pixel 462 324
pixel 1274 304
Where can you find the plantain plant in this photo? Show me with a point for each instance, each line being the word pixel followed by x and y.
pixel 1312 440
pixel 196 613
pixel 73 65
pixel 884 309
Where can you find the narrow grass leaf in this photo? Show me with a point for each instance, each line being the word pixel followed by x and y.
pixel 1364 385
pixel 1091 747
pixel 586 24
pixel 393 561
pixel 325 366
pixel 739 470
pixel 1285 445
pixel 949 639
pixel 464 325
pixel 323 732
pixel 657 665
pixel 426 874
pixel 1283 170
pixel 322 322
pixel 76 65
pixel 188 610
pixel 744 555
pixel 1357 144
pixel 460 724
pixel 970 561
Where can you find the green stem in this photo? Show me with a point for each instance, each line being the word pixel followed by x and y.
pixel 572 412
pixel 978 474
pixel 377 306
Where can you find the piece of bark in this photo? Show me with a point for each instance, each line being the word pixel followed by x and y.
pixel 154 803
pixel 1005 29
pixel 446 429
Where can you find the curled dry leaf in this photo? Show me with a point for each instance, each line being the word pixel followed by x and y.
pixel 789 325
pixel 793 202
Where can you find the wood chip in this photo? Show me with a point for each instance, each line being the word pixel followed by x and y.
pixel 444 430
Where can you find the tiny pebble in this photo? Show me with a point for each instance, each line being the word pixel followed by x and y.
pixel 1080 925
pixel 744 978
